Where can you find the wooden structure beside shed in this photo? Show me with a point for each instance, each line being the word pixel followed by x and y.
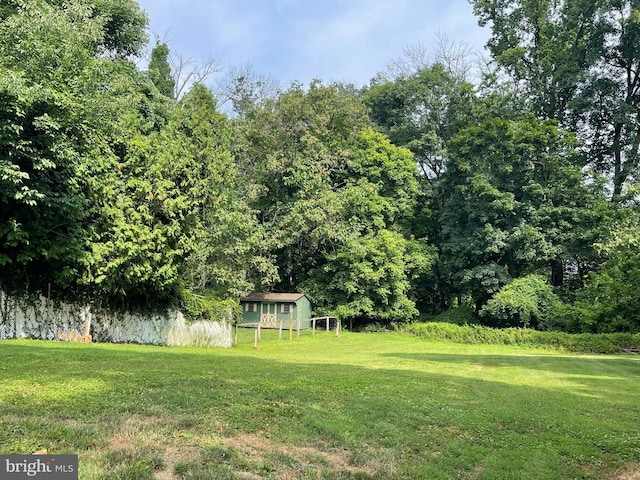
pixel 272 310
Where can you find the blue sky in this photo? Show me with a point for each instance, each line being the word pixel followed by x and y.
pixel 341 40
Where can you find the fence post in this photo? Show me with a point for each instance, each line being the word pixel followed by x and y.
pixel 290 326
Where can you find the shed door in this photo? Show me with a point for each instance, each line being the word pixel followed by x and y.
pixel 268 315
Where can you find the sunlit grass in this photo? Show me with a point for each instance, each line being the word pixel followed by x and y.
pixel 358 406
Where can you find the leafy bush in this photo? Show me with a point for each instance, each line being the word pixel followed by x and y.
pixel 196 307
pixel 525 302
pixel 477 335
pixel 610 301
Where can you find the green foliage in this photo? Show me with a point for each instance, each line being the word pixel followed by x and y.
pixel 550 48
pixel 55 141
pixel 422 112
pixel 513 192
pixel 481 335
pixel 412 194
pixel 527 302
pixel 124 25
pixel 228 255
pixel 460 315
pixel 610 301
pixel 335 197
pixel 292 149
pixel 197 307
pixel 390 174
pixel 369 278
pixel 159 70
pixel 105 182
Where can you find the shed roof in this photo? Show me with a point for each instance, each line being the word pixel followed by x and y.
pixel 272 297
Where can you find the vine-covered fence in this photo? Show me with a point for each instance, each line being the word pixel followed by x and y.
pixel 40 318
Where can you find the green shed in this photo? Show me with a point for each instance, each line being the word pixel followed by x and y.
pixel 269 309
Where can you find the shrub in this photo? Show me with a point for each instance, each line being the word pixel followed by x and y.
pixel 196 307
pixel 525 302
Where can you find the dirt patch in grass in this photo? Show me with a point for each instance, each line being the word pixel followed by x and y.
pixel 290 460
pixel 630 472
pixel 127 434
pixel 147 436
pixel 173 455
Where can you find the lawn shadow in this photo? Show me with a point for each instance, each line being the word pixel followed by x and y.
pixel 592 365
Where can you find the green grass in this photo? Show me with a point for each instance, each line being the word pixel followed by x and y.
pixel 362 406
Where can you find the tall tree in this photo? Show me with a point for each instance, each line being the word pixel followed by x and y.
pixel 576 62
pixel 241 88
pixel 54 64
pixel 159 70
pixel 610 302
pixel 330 183
pixel 228 257
pixel 105 181
pixel 513 194
pixel 422 112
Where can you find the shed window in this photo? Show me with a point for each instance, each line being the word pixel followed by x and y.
pixel 251 307
pixel 286 308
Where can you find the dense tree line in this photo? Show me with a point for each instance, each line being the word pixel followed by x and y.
pixel 514 196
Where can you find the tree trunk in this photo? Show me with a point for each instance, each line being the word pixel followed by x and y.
pixel 618 177
pixel 557 273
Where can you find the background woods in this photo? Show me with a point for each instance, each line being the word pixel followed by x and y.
pixel 511 196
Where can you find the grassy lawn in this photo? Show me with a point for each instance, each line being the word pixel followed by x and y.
pixel 362 406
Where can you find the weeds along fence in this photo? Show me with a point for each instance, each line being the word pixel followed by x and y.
pixel 570 342
pixel 38 317
pixel 199 334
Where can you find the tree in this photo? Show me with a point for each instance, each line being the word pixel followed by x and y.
pixel 122 23
pixel 159 70
pixel 610 301
pixel 242 87
pixel 227 257
pixel 513 192
pixel 188 72
pixel 296 152
pixel 422 112
pixel 576 62
pixel 453 56
pixel 369 278
pixel 106 180
pixel 54 138
pixel 330 184
pixel 609 104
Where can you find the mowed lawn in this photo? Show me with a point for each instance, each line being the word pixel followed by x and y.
pixel 362 406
